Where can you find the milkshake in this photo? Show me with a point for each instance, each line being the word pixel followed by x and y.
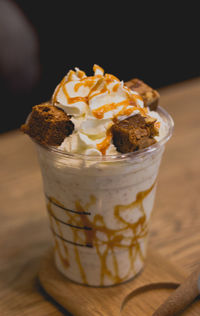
pixel 100 144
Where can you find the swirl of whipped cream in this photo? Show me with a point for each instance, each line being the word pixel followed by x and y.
pixel 94 102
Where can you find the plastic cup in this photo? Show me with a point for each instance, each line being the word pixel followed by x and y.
pixel 100 210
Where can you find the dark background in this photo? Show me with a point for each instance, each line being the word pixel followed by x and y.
pixel 159 45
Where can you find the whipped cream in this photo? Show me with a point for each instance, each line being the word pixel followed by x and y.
pixel 94 102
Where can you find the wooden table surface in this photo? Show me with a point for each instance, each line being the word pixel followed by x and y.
pixel 25 235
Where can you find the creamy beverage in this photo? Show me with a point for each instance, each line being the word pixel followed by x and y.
pixel 99 173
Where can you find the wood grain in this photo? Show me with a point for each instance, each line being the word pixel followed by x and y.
pixel 158 276
pixel 24 233
pixel 176 223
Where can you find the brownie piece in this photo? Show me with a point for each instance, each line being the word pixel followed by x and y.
pixel 133 133
pixel 48 125
pixel 149 95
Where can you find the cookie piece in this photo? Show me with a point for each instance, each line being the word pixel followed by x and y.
pixel 133 133
pixel 48 125
pixel 150 96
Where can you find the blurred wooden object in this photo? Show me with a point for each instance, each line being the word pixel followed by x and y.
pixel 25 235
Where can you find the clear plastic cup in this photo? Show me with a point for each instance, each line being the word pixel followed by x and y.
pixel 100 210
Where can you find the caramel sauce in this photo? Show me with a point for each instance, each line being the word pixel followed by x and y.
pixel 63 259
pixel 103 90
pixel 138 97
pixel 89 234
pixel 70 75
pixel 115 238
pixel 109 78
pixel 74 99
pixel 95 67
pixel 96 86
pixel 115 87
pixel 62 86
pixel 126 111
pixel 86 82
pixel 103 146
pixel 81 74
pixel 135 97
pixel 143 111
pixel 99 113
pixel 73 219
pixel 157 124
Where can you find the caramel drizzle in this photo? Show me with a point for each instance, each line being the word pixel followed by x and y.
pixel 125 111
pixel 95 67
pixel 62 86
pixel 115 237
pixel 75 223
pixel 89 82
pixel 110 78
pixel 103 146
pixel 115 87
pixel 157 124
pixel 64 259
pixel 86 82
pixel 100 112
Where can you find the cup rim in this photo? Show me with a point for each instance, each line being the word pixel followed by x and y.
pixel 132 155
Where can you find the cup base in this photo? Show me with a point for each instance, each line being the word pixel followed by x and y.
pixel 138 270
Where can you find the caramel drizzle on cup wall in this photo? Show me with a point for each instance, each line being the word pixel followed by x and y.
pixel 115 237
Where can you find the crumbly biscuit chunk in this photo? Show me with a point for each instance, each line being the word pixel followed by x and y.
pixel 133 133
pixel 149 95
pixel 48 125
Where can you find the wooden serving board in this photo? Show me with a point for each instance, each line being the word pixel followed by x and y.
pixel 138 297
